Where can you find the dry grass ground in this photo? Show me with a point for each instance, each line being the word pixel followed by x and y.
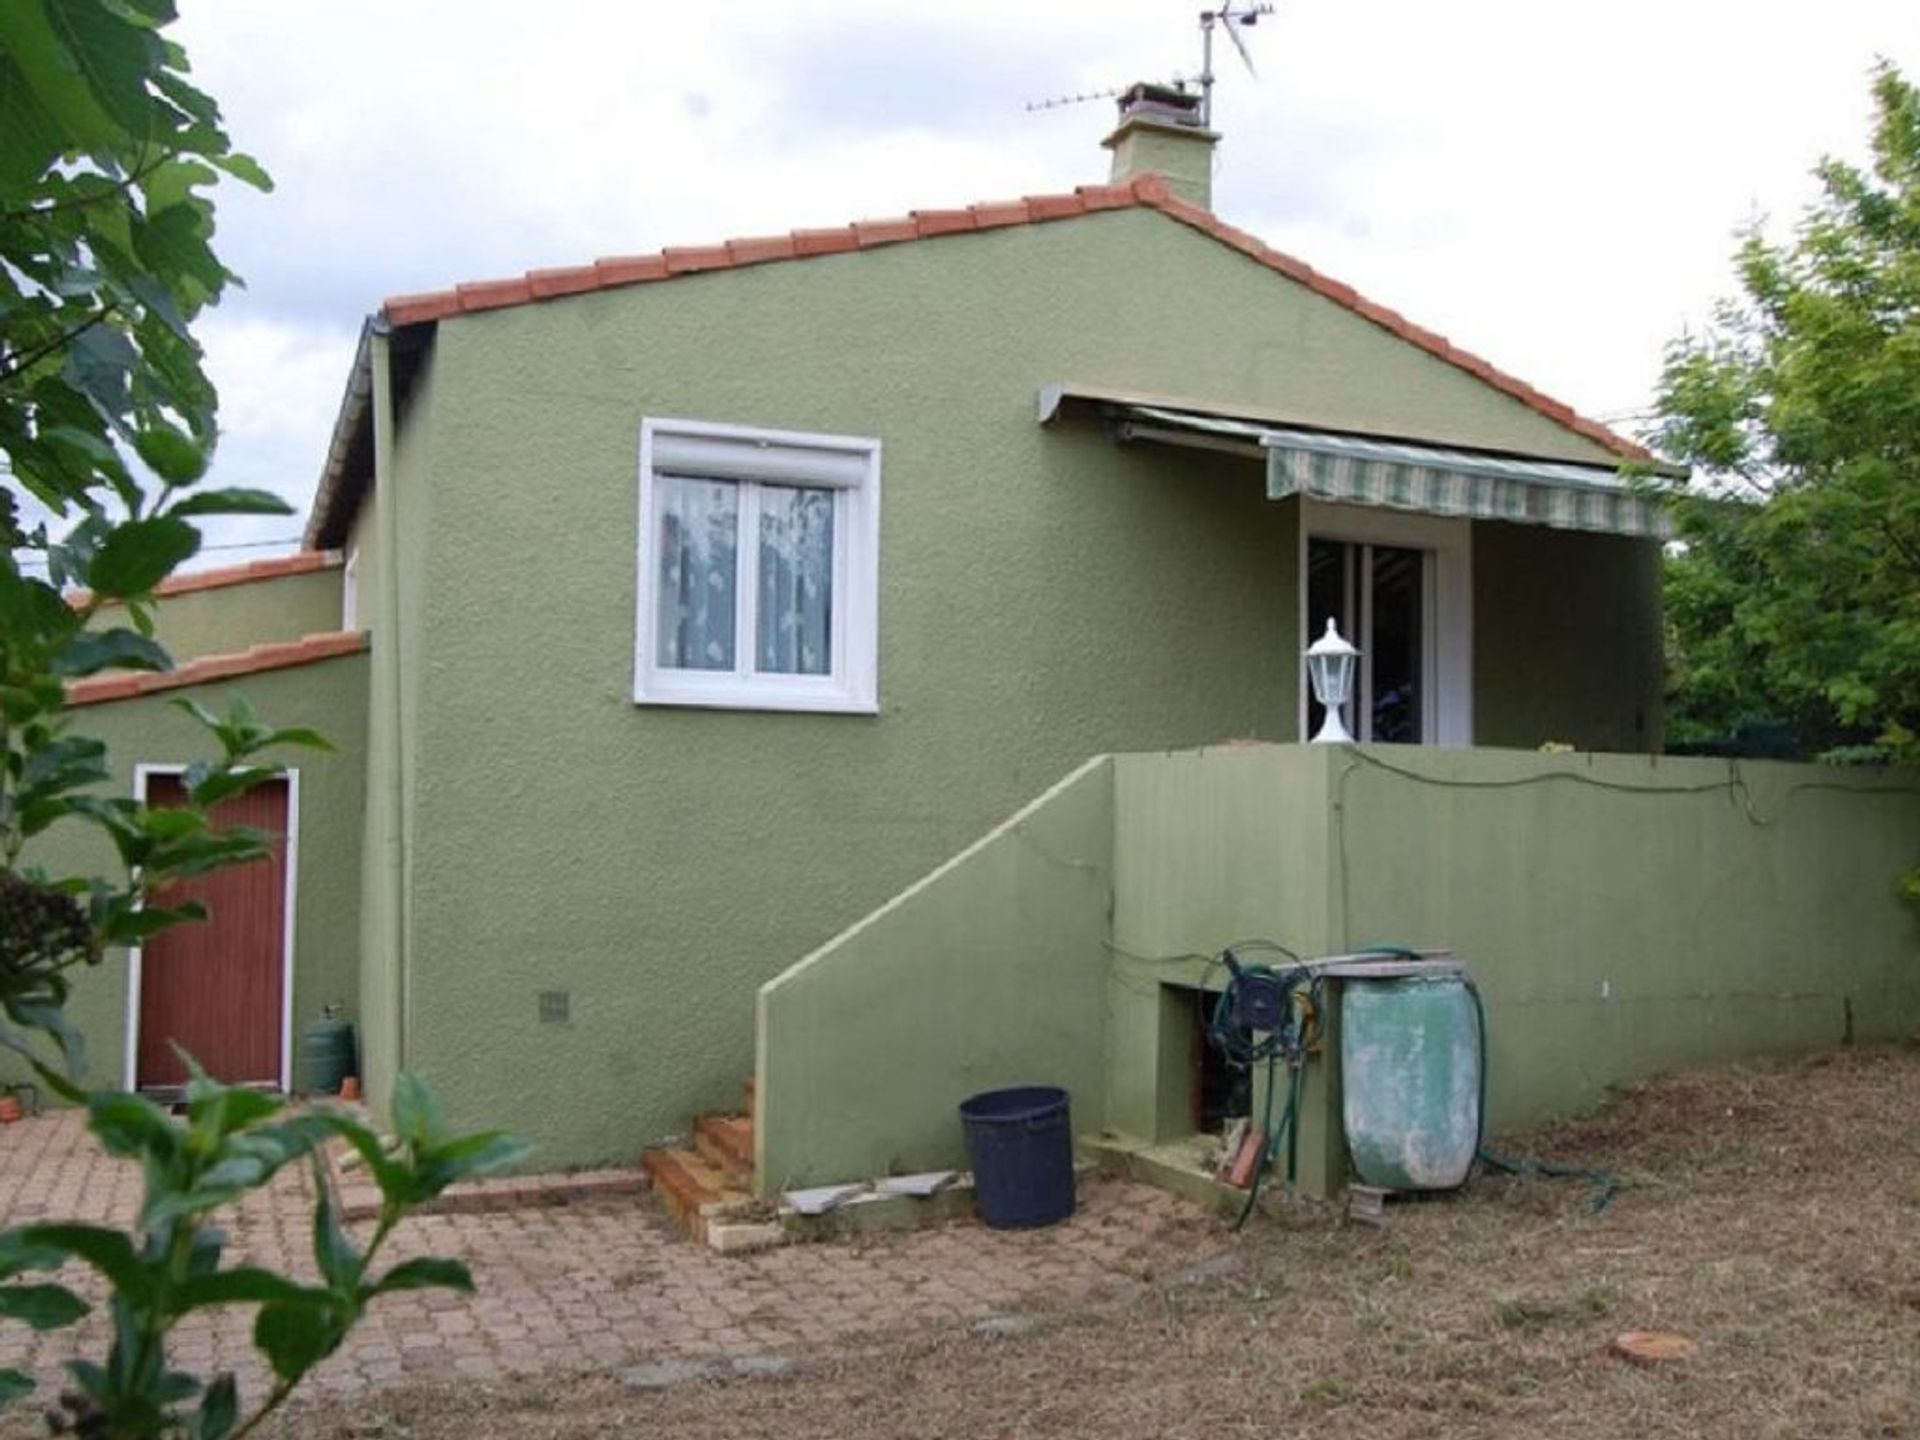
pixel 1772 1214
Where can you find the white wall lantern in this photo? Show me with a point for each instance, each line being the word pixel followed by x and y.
pixel 1330 662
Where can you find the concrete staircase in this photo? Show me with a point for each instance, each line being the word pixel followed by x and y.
pixel 710 1178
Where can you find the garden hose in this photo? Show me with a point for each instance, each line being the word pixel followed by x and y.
pixel 1265 1014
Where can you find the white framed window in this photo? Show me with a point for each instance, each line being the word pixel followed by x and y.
pixel 758 569
pixel 1400 587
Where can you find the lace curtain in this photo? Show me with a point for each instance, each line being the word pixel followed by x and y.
pixel 699 577
pixel 795 614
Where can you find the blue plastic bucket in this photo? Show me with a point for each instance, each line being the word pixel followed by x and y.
pixel 1021 1145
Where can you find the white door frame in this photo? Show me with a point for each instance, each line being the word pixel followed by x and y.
pixel 130 1068
pixel 1448 640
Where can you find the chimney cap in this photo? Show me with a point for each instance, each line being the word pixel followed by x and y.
pixel 1171 104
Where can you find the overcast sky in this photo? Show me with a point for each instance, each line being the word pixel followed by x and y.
pixel 1555 187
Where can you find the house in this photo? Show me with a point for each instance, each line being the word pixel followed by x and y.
pixel 684 611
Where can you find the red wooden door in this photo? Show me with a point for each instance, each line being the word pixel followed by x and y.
pixel 215 987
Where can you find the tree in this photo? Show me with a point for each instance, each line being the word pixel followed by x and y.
pixel 107 425
pixel 1794 600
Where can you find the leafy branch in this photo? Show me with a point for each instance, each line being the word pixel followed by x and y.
pixel 108 155
pixel 230 1142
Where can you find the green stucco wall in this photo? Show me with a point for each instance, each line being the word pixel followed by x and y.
pixel 990 972
pixel 390 588
pixel 377 859
pixel 1045 596
pixel 1621 915
pixel 1625 915
pixel 1567 641
pixel 233 617
pixel 331 697
pixel 1210 847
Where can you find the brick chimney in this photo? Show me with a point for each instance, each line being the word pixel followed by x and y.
pixel 1160 132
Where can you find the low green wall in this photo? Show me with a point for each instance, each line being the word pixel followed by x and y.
pixel 230 618
pixel 1621 915
pixel 1625 915
pixel 331 697
pixel 1210 846
pixel 989 972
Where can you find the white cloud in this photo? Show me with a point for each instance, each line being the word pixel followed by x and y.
pixel 280 384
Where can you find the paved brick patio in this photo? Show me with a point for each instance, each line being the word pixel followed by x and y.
pixel 603 1284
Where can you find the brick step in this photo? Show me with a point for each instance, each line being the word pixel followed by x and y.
pixel 688 1184
pixel 725 1141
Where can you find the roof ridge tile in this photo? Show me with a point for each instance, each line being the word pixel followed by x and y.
pixel 991 214
pixel 494 294
pixel 885 232
pixel 630 270
pixel 942 222
pixel 760 249
pixel 825 242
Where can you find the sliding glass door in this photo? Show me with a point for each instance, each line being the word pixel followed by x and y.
pixel 1378 596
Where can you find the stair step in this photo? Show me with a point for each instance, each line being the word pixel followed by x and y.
pixel 725 1140
pixel 687 1184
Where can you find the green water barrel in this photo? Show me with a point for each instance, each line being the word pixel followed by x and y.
pixel 1410 1058
pixel 327 1054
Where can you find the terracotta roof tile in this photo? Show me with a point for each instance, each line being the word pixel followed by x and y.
pixel 630 270
pixel 825 242
pixel 760 249
pixel 420 309
pixel 884 232
pixel 494 294
pixel 941 222
pixel 684 259
pixel 1042 208
pixel 1150 191
pixel 1108 197
pixel 301 562
pixel 571 280
pixel 205 669
pixel 991 214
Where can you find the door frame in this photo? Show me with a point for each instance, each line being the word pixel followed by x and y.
pixel 142 772
pixel 1448 601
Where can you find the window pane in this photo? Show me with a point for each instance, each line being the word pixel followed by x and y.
pixel 1328 562
pixel 1399 594
pixel 699 562
pixel 796 582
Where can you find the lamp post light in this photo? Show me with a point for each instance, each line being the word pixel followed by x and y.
pixel 1330 662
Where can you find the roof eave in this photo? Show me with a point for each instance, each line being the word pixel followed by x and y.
pixel 332 506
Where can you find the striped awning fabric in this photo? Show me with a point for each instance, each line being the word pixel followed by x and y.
pixel 1360 470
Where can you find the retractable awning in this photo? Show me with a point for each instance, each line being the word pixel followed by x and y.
pixel 1399 475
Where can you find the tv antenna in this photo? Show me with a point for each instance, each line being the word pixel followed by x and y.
pixel 1061 101
pixel 1232 19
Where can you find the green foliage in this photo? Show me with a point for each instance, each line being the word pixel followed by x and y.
pixel 1794 602
pixel 107 421
pixel 106 154
pixel 229 1142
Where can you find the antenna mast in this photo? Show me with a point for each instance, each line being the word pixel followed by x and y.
pixel 1231 20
